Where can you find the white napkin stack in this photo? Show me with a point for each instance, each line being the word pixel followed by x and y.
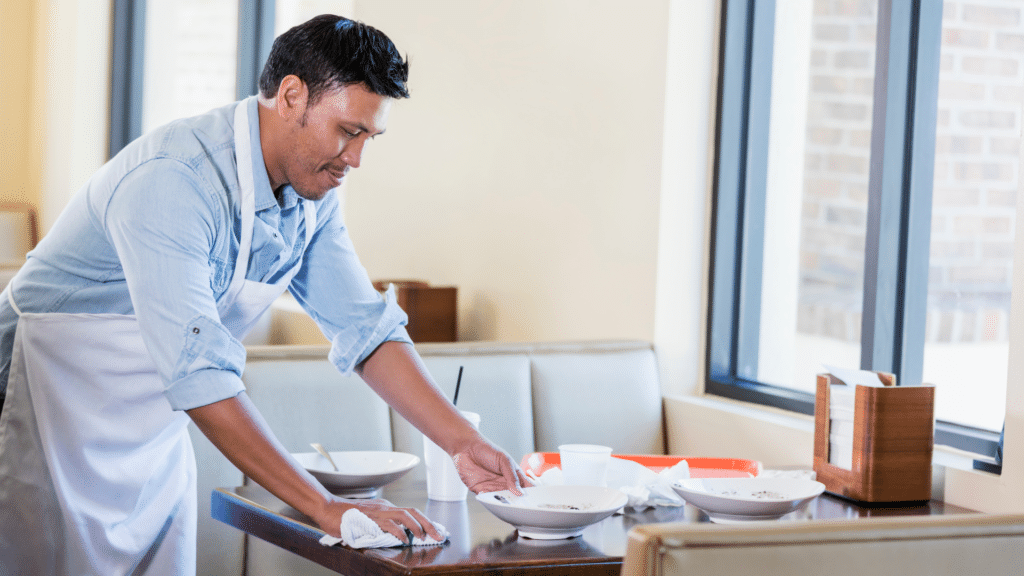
pixel 792 474
pixel 359 531
pixel 644 487
pixel 841 410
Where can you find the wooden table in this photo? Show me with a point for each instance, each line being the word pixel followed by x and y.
pixel 480 543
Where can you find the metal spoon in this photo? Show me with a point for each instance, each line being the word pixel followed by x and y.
pixel 316 446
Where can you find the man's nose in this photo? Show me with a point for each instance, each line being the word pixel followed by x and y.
pixel 352 153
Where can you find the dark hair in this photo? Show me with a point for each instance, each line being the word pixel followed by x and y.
pixel 329 52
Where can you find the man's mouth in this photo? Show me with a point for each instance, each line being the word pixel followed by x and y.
pixel 335 173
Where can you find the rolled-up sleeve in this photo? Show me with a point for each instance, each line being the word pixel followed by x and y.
pixel 335 290
pixel 166 224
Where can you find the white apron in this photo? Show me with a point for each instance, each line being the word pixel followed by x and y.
pixel 97 474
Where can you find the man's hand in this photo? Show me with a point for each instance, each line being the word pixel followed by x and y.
pixel 403 523
pixel 485 468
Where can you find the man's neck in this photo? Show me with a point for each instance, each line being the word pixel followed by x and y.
pixel 266 122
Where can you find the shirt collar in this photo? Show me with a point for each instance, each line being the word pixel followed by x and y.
pixel 264 194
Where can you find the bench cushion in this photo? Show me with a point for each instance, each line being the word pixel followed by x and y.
pixel 305 399
pixel 597 394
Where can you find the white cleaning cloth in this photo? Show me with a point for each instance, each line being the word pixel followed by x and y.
pixel 359 531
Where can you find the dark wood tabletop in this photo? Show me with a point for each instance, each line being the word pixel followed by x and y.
pixel 480 543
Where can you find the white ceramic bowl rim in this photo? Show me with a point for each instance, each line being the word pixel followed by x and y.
pixel 788 488
pixel 545 498
pixel 358 463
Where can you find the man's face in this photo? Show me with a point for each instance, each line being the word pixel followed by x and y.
pixel 328 140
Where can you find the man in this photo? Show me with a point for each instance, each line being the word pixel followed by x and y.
pixel 129 315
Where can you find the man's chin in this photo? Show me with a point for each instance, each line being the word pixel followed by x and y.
pixel 313 195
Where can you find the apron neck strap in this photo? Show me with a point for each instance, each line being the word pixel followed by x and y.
pixel 10 296
pixel 247 190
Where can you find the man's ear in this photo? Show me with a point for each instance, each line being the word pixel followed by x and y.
pixel 292 97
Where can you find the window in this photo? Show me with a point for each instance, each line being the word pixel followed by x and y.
pixel 190 58
pixel 865 179
pixel 176 58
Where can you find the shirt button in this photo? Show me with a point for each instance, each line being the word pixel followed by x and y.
pixel 195 330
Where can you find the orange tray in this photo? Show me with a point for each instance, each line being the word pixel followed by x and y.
pixel 538 463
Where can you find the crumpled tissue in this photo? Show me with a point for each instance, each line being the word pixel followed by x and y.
pixel 644 487
pixel 359 531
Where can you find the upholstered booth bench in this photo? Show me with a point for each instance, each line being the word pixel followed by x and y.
pixel 951 545
pixel 531 397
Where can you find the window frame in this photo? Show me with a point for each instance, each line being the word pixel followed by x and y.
pixel 255 38
pixel 899 207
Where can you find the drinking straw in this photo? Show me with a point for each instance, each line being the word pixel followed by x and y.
pixel 458 382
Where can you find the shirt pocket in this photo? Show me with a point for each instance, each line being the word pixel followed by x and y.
pixel 220 276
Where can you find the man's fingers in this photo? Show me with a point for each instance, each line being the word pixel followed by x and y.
pixel 511 473
pixel 524 481
pixel 404 523
pixel 428 527
pixel 395 529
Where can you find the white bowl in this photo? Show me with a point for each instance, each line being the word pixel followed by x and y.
pixel 553 512
pixel 359 474
pixel 744 499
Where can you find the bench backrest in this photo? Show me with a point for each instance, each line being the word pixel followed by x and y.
pixel 909 546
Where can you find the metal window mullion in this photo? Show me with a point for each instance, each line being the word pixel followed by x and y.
pixel 730 164
pixel 126 79
pixel 888 202
pixel 927 36
pixel 255 37
pixel 759 94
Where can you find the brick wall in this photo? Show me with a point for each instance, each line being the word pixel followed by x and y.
pixel 976 169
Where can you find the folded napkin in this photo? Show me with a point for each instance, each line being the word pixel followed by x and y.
pixel 644 487
pixel 797 474
pixel 359 531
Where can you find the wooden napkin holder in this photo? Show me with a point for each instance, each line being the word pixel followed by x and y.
pixel 893 435
pixel 432 310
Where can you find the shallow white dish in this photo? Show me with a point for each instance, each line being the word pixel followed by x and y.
pixel 359 474
pixel 744 499
pixel 554 512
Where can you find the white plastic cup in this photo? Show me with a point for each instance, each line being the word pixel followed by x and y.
pixel 585 464
pixel 443 482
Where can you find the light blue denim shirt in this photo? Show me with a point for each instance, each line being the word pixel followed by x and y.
pixel 155 233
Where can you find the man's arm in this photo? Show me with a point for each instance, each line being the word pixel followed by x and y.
pixel 396 373
pixel 237 428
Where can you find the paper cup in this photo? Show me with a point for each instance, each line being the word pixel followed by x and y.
pixel 585 464
pixel 443 482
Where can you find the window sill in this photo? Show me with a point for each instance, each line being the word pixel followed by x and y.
pixel 713 424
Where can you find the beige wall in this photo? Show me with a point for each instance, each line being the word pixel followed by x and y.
pixel 18 183
pixel 56 84
pixel 526 167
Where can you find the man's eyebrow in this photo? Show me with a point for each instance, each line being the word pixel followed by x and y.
pixel 363 128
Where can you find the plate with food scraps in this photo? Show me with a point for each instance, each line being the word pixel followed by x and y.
pixel 553 512
pixel 743 499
